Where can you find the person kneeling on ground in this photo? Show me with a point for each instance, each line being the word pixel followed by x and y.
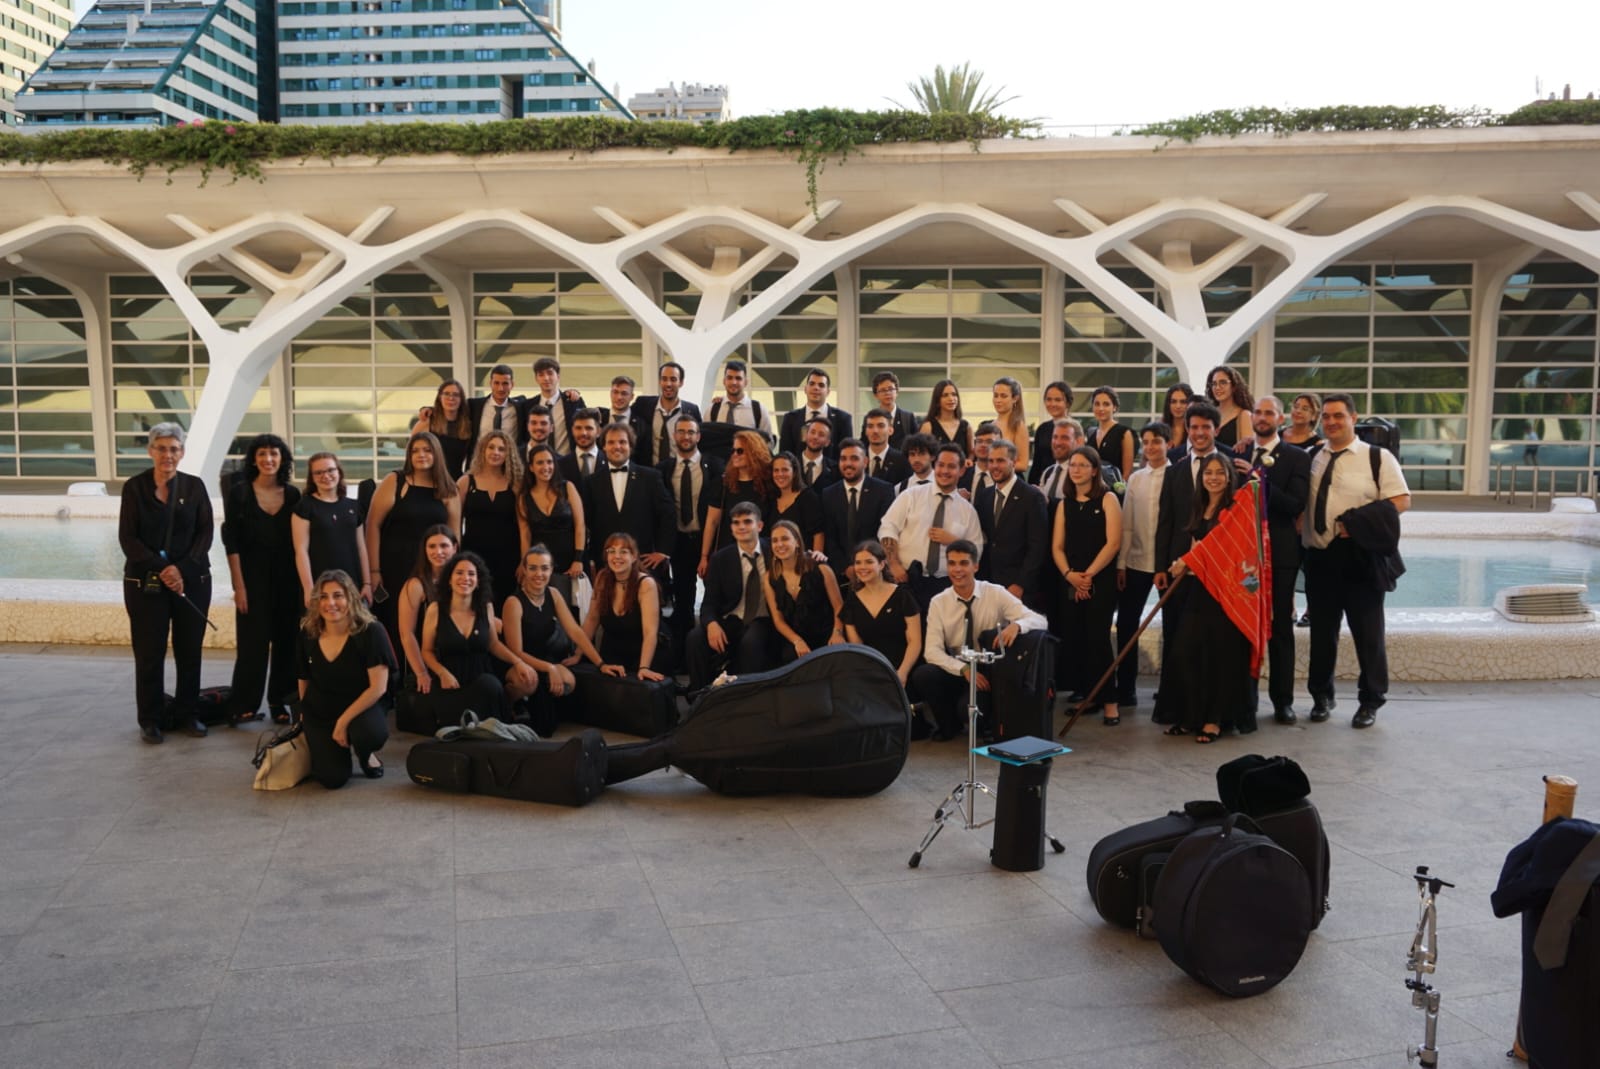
pixel 344 664
pixel 541 632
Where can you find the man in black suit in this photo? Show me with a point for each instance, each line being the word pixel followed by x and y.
pixel 655 416
pixel 735 631
pixel 817 469
pixel 902 424
pixel 883 460
pixel 976 477
pixel 1015 536
pixel 585 458
pixel 792 430
pixel 694 481
pixel 1286 470
pixel 623 496
pixel 564 405
pixel 852 507
pixel 499 410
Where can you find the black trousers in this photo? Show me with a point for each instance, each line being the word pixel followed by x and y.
pixel 925 588
pixel 1339 586
pixel 751 648
pixel 266 634
pixel 685 562
pixel 151 618
pixel 1280 645
pixel 545 710
pixel 1130 611
pixel 946 695
pixel 330 762
pixel 484 694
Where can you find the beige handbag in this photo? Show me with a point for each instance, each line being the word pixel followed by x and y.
pixel 283 759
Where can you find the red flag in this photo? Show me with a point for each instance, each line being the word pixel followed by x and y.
pixel 1234 561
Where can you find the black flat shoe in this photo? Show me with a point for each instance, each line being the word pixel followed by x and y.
pixel 1365 717
pixel 369 770
pixel 280 715
pixel 195 729
pixel 1110 721
pixel 151 734
pixel 1176 730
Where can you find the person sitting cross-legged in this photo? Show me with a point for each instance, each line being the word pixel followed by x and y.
pixel 735 631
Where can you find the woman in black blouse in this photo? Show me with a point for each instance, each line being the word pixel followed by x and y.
pixel 802 596
pixel 327 530
pixel 796 502
pixel 881 614
pixel 1057 405
pixel 345 661
pixel 267 599
pixel 165 529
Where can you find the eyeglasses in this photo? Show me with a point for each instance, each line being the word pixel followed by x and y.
pixel 320 472
pixel 738 452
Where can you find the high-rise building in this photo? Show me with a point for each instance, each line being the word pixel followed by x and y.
pixel 445 60
pixel 154 63
pixel 29 31
pixel 692 103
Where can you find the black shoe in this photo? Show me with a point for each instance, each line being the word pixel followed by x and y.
pixel 1319 711
pixel 1304 621
pixel 1365 716
pixel 152 734
pixel 195 729
pixel 369 770
pixel 1284 714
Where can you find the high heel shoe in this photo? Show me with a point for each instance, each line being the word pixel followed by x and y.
pixel 368 769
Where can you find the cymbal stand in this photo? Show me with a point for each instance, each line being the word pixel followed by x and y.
pixel 1421 961
pixel 959 801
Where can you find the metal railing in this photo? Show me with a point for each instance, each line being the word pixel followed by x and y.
pixel 1585 483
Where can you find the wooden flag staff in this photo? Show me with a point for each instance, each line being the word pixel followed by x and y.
pixel 1133 643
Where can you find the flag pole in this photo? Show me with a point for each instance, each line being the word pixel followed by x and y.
pixel 1132 644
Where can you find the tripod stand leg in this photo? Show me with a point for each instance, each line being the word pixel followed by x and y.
pixel 951 803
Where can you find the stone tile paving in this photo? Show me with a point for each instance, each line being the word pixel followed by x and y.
pixel 155 911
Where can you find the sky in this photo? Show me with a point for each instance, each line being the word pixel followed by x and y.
pixel 1105 64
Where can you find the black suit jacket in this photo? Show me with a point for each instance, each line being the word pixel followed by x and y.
pixel 895 466
pixel 1014 551
pixel 475 408
pixel 568 465
pixel 711 471
pixel 827 472
pixel 791 430
pixel 1288 488
pixel 569 408
pixel 1177 498
pixel 724 582
pixel 646 512
pixel 901 424
pixel 873 501
pixel 643 422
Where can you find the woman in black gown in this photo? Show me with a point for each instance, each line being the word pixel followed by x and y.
pixel 794 501
pixel 748 478
pixel 405 504
pixel 439 546
pixel 1173 409
pixel 1112 440
pixel 327 530
pixel 1057 405
pixel 541 632
pixel 881 614
pixel 626 613
pixel 802 596
pixel 1211 654
pixel 267 599
pixel 489 509
pixel 449 420
pixel 550 514
pixel 344 665
pixel 944 422
pixel 1085 543
pixel 1225 388
pixel 460 644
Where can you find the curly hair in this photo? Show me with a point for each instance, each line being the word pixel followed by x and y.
pixel 757 462
pixel 360 615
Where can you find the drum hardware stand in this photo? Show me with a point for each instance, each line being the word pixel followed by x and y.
pixel 959 802
pixel 1421 961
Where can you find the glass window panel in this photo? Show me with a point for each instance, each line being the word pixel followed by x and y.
pixel 63 467
pixel 530 305
pixel 803 354
pixel 1023 354
pixel 337 329
pixel 392 307
pixel 244 306
pixel 52 376
pixel 519 282
pixel 518 354
pixel 135 284
pixel 516 329
pixel 1320 378
pixel 358 305
pixel 44 419
pixel 1342 276
pixel 1120 377
pixel 682 304
pixel 1544 378
pixel 933 303
pixel 599 329
pixel 1224 302
pixel 872 329
pixel 790 329
pixel 1084 320
pixel 997 278
pixel 973 327
pixel 151 375
pixel 1544 404
pixel 897 352
pixel 434 353
pixel 1290 327
pixel 1332 301
pixel 590 305
pixel 1400 300
pixel 1579 324
pixel 1554 272
pixel 1431 378
pixel 1420 352
pixel 145 307
pixel 301 355
pixel 1426 326
pixel 904 279
pixel 152 331
pixel 1438 404
pixel 1548 299
pixel 1425 275
pixel 995 304
pixel 39 330
pixel 45 308
pixel 1552 351
pixel 1082 353
pixel 414 377
pixel 1328 352
pixel 813 304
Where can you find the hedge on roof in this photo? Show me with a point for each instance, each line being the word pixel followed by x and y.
pixel 814 138
pixel 1286 121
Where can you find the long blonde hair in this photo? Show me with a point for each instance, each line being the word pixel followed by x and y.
pixel 513 463
pixel 360 615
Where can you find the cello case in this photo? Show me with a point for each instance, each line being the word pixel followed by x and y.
pixel 834 723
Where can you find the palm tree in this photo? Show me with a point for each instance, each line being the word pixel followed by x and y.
pixel 959 90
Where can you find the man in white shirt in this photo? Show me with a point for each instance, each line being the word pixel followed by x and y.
pixel 498 411
pixel 1350 495
pixel 925 519
pixel 563 405
pixel 957 617
pixel 1136 564
pixel 736 406
pixel 621 400
pixel 919 449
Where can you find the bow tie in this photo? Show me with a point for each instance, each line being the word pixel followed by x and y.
pixel 619 471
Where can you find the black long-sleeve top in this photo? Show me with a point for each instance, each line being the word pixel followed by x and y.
pixel 142 524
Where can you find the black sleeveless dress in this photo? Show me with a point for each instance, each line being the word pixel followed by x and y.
pixel 489 529
pixel 809 614
pixel 885 632
pixel 1110 447
pixel 466 657
pixel 415 510
pixel 1086 625
pixel 556 529
pixel 542 634
pixel 456 452
pixel 622 638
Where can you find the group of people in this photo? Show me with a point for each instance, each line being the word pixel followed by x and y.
pixel 524 537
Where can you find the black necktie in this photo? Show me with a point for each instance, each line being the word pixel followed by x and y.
pixel 1055 490
pixel 752 590
pixel 999 504
pixel 585 462
pixel 685 495
pixel 877 467
pixel 966 605
pixel 662 447
pixel 1319 522
pixel 499 417
pixel 1260 452
pixel 619 471
pixel 934 547
pixel 811 472
pixel 850 517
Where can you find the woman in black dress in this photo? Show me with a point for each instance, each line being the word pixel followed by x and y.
pixel 267 599
pixel 626 613
pixel 550 513
pixel 1302 429
pixel 405 504
pixel 439 547
pixel 460 645
pixel 1087 537
pixel 327 530
pixel 1111 439
pixel 1225 388
pixel 489 509
pixel 944 422
pixel 449 420
pixel 1211 654
pixel 344 661
pixel 802 596
pixel 1173 409
pixel 748 478
pixel 794 501
pixel 541 632
pixel 165 529
pixel 881 614
pixel 1057 404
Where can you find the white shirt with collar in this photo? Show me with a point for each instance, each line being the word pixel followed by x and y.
pixel 595 459
pixel 696 481
pixel 1141 508
pixel 508 418
pixel 882 458
pixel 742 413
pixel 806 460
pixel 912 482
pixel 910 518
pixel 663 420
pixel 1053 481
pixel 625 416
pixel 560 433
pixel 619 482
pixel 1352 487
pixel 993 606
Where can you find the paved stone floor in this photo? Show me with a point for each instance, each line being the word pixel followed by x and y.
pixel 156 912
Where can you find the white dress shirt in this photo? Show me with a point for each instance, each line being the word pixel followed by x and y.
pixel 911 516
pixel 508 418
pixel 1141 508
pixel 912 482
pixel 1352 487
pixel 560 433
pixel 993 606
pixel 742 413
pixel 1053 481
pixel 595 459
